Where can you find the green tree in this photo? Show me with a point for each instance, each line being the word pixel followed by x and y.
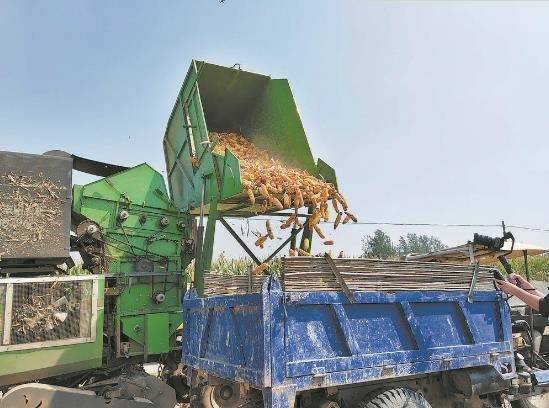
pixel 418 244
pixel 378 246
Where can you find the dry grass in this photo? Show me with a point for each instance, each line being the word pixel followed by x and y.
pixel 30 209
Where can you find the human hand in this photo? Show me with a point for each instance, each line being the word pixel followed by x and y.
pixel 519 281
pixel 506 286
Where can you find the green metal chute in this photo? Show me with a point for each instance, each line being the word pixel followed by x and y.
pixel 216 98
pixel 262 109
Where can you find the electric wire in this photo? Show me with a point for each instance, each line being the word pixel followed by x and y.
pixel 424 224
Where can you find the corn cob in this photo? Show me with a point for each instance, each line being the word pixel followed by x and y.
pixel 319 232
pixel 259 268
pixel 337 220
pixel 281 186
pixel 270 233
pixel 261 240
pixel 351 216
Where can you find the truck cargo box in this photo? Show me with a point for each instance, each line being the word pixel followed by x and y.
pixel 284 342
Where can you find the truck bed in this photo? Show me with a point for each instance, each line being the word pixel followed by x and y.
pixel 311 339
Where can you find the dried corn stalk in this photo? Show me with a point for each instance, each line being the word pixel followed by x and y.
pixel 30 210
pixel 41 311
pixel 281 186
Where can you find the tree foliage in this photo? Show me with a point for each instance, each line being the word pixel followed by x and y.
pixel 378 246
pixel 418 244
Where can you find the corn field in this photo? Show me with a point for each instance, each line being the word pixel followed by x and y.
pixel 538 267
pixel 237 266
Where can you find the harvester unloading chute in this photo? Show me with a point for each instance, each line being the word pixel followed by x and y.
pixel 220 99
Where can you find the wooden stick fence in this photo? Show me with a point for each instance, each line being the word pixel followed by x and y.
pixel 315 274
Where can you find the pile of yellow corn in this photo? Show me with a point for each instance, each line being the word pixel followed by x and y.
pixel 270 183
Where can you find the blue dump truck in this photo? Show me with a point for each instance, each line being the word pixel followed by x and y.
pixel 324 332
pixel 356 338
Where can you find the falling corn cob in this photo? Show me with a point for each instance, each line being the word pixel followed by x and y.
pixel 259 268
pixel 306 244
pixel 261 240
pixel 337 220
pixel 351 216
pixel 319 232
pixel 270 233
pixel 279 186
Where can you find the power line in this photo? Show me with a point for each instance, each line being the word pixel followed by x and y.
pixel 427 224
pixel 528 228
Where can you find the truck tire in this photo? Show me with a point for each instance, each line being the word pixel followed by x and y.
pixel 217 396
pixel 395 398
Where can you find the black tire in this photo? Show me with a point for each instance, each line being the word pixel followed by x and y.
pixel 178 383
pixel 395 398
pixel 539 401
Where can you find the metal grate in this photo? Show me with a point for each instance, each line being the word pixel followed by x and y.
pixel 48 311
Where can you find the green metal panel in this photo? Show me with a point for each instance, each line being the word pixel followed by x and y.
pixel 140 239
pixel 216 98
pixel 137 294
pixel 274 124
pixel 153 333
pixel 141 192
pixel 28 365
pixel 134 328
pixel 230 175
pixel 157 330
pixel 326 172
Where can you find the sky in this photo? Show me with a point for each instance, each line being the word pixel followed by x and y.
pixel 430 112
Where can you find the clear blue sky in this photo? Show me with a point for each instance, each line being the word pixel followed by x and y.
pixel 430 112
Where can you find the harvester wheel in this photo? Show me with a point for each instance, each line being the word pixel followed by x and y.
pixel 395 398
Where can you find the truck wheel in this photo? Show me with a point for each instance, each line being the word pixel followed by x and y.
pixel 539 401
pixel 395 398
pixel 217 396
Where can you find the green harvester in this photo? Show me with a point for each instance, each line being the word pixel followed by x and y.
pixel 136 240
